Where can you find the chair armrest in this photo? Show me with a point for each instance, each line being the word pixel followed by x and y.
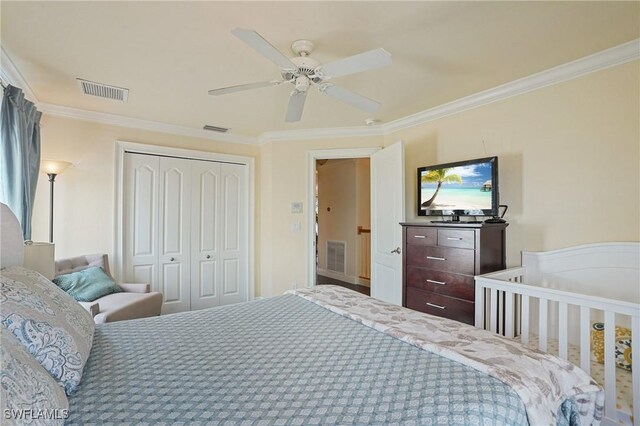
pixel 135 287
pixel 92 307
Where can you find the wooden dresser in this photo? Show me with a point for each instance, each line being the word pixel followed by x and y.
pixel 440 260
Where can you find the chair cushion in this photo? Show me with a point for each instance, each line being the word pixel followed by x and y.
pixel 24 383
pixel 51 326
pixel 87 285
pixel 126 306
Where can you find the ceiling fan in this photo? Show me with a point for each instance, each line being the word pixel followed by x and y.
pixel 302 72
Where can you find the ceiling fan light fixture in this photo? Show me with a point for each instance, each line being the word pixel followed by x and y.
pixel 302 83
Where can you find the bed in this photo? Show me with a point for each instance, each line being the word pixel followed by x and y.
pixel 322 355
pixel 552 301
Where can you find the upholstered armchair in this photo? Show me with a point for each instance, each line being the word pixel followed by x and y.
pixel 135 301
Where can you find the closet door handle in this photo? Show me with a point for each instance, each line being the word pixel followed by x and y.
pixel 172 259
pixel 208 256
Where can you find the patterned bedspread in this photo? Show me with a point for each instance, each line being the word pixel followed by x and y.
pixel 283 360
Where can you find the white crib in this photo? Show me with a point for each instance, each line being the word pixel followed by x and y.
pixel 551 302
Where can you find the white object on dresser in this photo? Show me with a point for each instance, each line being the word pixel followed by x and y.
pixel 558 294
pixel 185 230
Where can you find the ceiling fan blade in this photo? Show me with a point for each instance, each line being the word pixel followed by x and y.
pixel 296 104
pixel 351 98
pixel 242 87
pixel 357 63
pixel 265 48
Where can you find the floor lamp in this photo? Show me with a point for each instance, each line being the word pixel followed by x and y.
pixel 52 168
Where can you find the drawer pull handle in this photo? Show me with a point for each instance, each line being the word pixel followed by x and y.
pixel 419 236
pixel 435 258
pixel 436 282
pixel 436 306
pixel 452 238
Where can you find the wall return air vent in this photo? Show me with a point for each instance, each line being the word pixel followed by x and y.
pixel 103 90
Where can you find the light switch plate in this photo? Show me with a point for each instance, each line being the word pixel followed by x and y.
pixel 296 207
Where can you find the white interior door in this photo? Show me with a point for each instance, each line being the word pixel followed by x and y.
pixel 140 203
pixel 234 234
pixel 205 234
pixel 174 236
pixel 387 211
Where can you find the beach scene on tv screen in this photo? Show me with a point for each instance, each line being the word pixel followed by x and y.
pixel 457 188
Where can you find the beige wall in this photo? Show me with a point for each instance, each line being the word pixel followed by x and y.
pixel 284 179
pixel 84 194
pixel 569 168
pixel 568 159
pixel 337 192
pixel 569 171
pixel 363 217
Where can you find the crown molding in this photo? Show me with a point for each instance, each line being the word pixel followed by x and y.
pixel 137 123
pixel 614 56
pixel 326 133
pixel 10 74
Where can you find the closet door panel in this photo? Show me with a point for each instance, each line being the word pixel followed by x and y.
pixel 205 235
pixel 234 234
pixel 174 233
pixel 140 203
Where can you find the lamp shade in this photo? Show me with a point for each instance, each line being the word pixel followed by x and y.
pixel 39 257
pixel 54 167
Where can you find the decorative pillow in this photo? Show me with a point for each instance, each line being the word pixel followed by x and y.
pixel 52 327
pixel 87 285
pixel 29 394
pixel 623 345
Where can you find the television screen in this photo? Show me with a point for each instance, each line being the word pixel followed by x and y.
pixel 465 188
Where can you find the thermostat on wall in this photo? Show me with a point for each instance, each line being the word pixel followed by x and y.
pixel 296 207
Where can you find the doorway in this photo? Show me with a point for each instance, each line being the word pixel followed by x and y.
pixel 311 213
pixel 343 223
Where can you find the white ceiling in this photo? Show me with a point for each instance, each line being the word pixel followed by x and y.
pixel 170 53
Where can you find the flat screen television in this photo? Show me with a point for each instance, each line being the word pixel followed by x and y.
pixel 463 188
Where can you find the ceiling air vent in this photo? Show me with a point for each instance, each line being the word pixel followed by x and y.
pixel 103 90
pixel 215 128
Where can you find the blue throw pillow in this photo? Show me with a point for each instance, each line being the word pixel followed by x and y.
pixel 87 285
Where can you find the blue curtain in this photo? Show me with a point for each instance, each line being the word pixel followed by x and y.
pixel 19 155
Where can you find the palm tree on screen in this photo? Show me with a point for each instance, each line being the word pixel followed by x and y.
pixel 439 176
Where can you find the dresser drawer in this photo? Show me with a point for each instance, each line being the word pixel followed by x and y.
pixel 422 236
pixel 439 305
pixel 455 285
pixel 459 238
pixel 461 261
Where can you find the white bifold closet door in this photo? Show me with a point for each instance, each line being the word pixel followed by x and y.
pixel 186 230
pixel 218 264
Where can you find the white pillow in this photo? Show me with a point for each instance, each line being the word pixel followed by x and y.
pixel 52 327
pixel 28 393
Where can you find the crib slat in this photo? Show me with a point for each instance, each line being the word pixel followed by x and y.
pixel 524 319
pixel 609 363
pixel 635 370
pixel 509 320
pixel 493 326
pixel 542 322
pixel 563 317
pixel 585 339
pixel 480 302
